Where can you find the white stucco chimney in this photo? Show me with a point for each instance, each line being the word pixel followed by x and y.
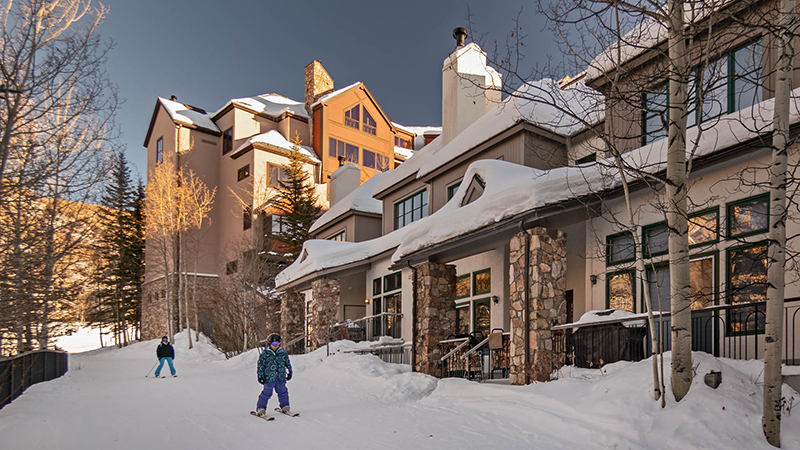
pixel 470 88
pixel 344 181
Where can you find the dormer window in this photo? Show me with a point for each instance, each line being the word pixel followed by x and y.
pixel 474 190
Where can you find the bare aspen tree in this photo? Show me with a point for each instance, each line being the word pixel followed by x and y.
pixel 773 380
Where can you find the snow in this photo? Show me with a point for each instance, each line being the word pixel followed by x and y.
pixel 359 200
pixel 332 94
pixel 186 115
pixel 419 133
pixel 541 103
pixel 404 152
pixel 272 105
pixel 609 315
pixel 513 189
pixel 275 139
pixel 84 339
pixel 410 167
pixel 105 401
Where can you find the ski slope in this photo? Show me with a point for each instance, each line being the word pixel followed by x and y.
pixel 348 401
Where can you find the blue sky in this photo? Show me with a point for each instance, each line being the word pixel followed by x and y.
pixel 209 52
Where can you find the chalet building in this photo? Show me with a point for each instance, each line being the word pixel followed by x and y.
pixel 241 150
pixel 502 253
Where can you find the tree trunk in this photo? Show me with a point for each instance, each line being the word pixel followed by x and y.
pixel 773 381
pixel 680 284
pixel 186 297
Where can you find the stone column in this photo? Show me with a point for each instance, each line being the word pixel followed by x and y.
pixel 324 310
pixel 292 318
pixel 436 314
pixel 548 264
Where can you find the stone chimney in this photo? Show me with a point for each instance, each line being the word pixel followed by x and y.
pixel 318 83
pixel 470 88
pixel 344 181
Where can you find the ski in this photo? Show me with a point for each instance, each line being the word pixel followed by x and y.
pixel 290 414
pixel 267 418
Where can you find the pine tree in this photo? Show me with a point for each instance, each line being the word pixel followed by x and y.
pixel 296 200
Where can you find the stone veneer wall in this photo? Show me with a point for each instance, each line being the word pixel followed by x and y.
pixel 272 315
pixel 154 305
pixel 324 310
pixel 436 314
pixel 548 264
pixel 293 307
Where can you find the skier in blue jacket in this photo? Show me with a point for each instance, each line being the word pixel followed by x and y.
pixel 274 370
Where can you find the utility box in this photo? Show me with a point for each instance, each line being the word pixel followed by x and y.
pixel 713 379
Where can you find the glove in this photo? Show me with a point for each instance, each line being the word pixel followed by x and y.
pixel 261 380
pixel 289 376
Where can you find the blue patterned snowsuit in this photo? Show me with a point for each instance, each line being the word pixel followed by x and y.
pixel 271 371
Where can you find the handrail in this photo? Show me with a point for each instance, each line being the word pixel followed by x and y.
pixel 295 340
pixel 383 347
pixel 449 341
pixel 463 344
pixel 481 344
pixel 374 316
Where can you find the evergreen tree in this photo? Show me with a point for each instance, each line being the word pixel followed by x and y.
pixel 296 200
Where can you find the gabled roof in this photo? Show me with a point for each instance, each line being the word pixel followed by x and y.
pixel 360 200
pixel 271 105
pixel 565 112
pixel 273 140
pixel 183 114
pixel 329 96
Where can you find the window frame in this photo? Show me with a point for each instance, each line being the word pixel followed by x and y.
pixel 227 141
pixel 160 150
pixel 728 216
pixel 728 289
pixel 377 284
pixel 701 213
pixel 281 170
pixel 452 188
pixel 468 276
pixel 475 281
pixel 369 129
pixel 608 248
pixel 646 114
pixel 342 234
pixel 422 193
pixel 474 313
pixel 247 218
pixel 399 282
pixel 591 157
pixel 645 243
pixel 243 172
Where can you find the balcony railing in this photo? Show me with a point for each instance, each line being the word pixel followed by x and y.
pixel 397 354
pixel 729 331
pixel 487 359
pixel 368 328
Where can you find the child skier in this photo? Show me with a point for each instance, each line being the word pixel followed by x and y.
pixel 273 365
pixel 165 352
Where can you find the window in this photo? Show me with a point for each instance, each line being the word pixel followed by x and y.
pixel 277 224
pixel 376 286
pixel 654 114
pixel 748 216
pixel 462 319
pixel 232 267
pixel 391 282
pixel 701 276
pixel 411 209
pixel 463 286
pixel 391 303
pixel 375 160
pixel 655 239
pixel 339 148
pixel 227 140
pixel 340 236
pixel 482 282
pixel 483 317
pixel 592 157
pixel 160 150
pixel 243 173
pixel 620 291
pixel 620 248
pixel 351 118
pixel 276 175
pixel 402 143
pixel 704 227
pixel 747 283
pixel 369 123
pixel 247 218
pixel 452 189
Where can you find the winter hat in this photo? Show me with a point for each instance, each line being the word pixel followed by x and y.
pixel 164 338
pixel 274 337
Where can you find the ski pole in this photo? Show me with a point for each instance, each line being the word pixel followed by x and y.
pixel 151 369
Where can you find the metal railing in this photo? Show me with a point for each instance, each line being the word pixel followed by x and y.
pixel 296 345
pixel 368 328
pixel 478 361
pixel 730 331
pixel 17 373
pixel 396 354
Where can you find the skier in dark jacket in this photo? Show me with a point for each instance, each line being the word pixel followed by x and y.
pixel 274 370
pixel 165 352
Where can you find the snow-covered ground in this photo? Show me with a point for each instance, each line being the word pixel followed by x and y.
pixel 350 401
pixel 84 339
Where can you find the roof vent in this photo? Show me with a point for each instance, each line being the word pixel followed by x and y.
pixel 460 34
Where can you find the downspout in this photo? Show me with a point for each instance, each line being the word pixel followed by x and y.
pixel 413 316
pixel 526 295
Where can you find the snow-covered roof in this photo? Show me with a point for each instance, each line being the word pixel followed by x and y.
pixel 410 167
pixel 360 200
pixel 512 189
pixel 646 35
pixel 406 153
pixel 542 103
pixel 419 133
pixel 272 105
pixel 275 140
pixel 189 115
pixel 332 94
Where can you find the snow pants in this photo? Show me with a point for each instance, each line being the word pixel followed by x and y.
pixel 280 388
pixel 161 364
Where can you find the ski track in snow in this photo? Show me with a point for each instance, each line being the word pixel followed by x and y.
pixel 350 401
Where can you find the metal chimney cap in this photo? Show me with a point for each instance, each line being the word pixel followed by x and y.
pixel 460 34
pixel 174 98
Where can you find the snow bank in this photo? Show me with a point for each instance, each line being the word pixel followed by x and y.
pixel 610 315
